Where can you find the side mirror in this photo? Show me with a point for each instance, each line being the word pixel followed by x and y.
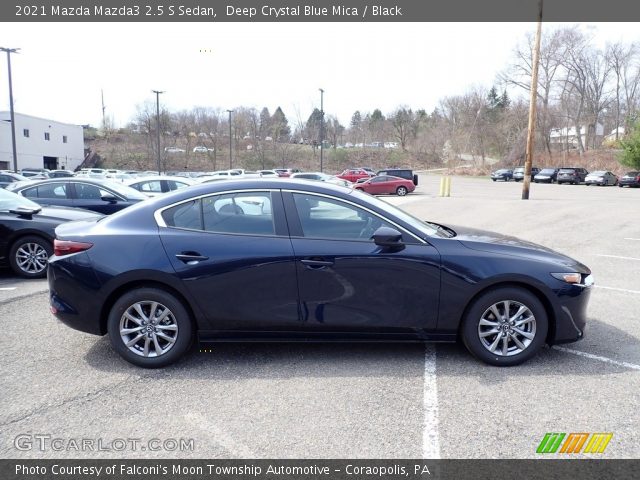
pixel 387 237
pixel 109 198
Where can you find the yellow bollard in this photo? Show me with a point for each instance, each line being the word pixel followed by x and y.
pixel 448 186
pixel 442 182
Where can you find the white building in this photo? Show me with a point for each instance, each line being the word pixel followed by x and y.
pixel 568 135
pixel 40 143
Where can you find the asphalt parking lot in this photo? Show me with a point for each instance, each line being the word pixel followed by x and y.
pixel 350 401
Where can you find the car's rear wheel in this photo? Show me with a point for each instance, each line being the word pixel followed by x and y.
pixel 29 255
pixel 402 191
pixel 150 327
pixel 505 326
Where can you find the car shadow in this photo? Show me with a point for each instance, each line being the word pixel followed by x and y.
pixel 231 361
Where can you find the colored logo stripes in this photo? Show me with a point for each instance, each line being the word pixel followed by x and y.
pixel 574 442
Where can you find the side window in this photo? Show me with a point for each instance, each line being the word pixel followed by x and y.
pixel 322 217
pixel 84 191
pixel 30 192
pixel 185 215
pixel 52 190
pixel 247 213
pixel 173 185
pixel 152 186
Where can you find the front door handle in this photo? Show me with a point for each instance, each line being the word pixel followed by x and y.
pixel 191 258
pixel 317 264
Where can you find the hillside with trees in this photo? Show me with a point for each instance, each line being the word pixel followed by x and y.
pixel 581 88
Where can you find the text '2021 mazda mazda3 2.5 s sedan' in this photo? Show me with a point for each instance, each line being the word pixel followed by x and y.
pixel 269 260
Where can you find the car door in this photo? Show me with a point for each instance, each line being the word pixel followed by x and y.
pixel 378 185
pixel 233 253
pixel 347 283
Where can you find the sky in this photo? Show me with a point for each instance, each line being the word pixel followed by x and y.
pixel 62 67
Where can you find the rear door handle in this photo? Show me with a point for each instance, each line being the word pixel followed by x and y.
pixel 191 258
pixel 317 264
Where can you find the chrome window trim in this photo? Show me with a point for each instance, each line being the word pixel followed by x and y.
pixel 157 215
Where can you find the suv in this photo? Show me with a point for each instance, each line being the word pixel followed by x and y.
pixel 518 173
pixel 571 175
pixel 405 173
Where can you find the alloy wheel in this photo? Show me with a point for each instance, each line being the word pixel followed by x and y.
pixel 31 258
pixel 507 328
pixel 148 329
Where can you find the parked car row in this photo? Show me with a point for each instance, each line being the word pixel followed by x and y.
pixel 571 175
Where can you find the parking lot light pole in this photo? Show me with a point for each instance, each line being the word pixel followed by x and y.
pixel 158 92
pixel 321 126
pixel 230 151
pixel 12 113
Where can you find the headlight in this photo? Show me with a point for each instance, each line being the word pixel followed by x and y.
pixel 574 278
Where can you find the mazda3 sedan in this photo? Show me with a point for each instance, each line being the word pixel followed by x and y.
pixel 266 260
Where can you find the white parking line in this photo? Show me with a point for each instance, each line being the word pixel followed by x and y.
pixel 598 357
pixel 7 289
pixel 617 289
pixel 618 256
pixel 430 436
pixel 636 239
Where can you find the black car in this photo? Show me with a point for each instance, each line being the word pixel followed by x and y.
pixel 572 175
pixel 630 179
pixel 518 173
pixel 266 260
pixel 27 232
pixel 546 175
pixel 405 173
pixel 100 196
pixel 502 174
pixel 8 177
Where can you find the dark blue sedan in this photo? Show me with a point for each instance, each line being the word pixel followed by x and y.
pixel 275 260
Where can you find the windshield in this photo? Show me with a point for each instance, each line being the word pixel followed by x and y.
pixel 567 170
pixel 11 201
pixel 426 228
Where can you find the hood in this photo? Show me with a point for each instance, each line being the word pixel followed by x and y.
pixel 67 214
pixel 492 242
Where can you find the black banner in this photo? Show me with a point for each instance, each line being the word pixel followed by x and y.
pixel 318 469
pixel 317 10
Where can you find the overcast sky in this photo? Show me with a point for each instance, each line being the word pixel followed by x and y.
pixel 62 67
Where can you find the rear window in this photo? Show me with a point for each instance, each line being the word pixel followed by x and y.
pixel 567 170
pixel 632 174
pixel 520 170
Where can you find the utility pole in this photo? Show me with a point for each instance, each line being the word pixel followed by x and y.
pixel 533 99
pixel 12 113
pixel 321 126
pixel 158 92
pixel 230 151
pixel 104 120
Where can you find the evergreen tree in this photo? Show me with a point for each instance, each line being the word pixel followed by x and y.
pixel 280 126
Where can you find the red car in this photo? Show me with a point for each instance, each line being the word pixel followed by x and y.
pixel 354 174
pixel 386 184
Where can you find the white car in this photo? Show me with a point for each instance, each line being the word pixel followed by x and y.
pixel 201 149
pixel 174 150
pixel 157 185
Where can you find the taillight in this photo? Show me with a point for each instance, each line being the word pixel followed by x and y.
pixel 67 247
pixel 638 178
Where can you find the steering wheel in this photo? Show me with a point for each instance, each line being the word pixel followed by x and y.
pixel 369 228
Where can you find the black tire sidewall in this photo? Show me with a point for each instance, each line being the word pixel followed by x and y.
pixel 183 319
pixel 469 327
pixel 21 241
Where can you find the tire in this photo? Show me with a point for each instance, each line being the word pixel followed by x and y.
pixel 493 179
pixel 28 256
pixel 401 191
pixel 481 310
pixel 176 325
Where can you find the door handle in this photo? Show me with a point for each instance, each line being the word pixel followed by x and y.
pixel 191 258
pixel 317 264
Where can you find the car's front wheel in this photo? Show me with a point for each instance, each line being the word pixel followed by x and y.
pixel 150 327
pixel 29 255
pixel 402 191
pixel 505 326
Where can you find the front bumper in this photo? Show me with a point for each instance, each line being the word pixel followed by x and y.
pixel 570 311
